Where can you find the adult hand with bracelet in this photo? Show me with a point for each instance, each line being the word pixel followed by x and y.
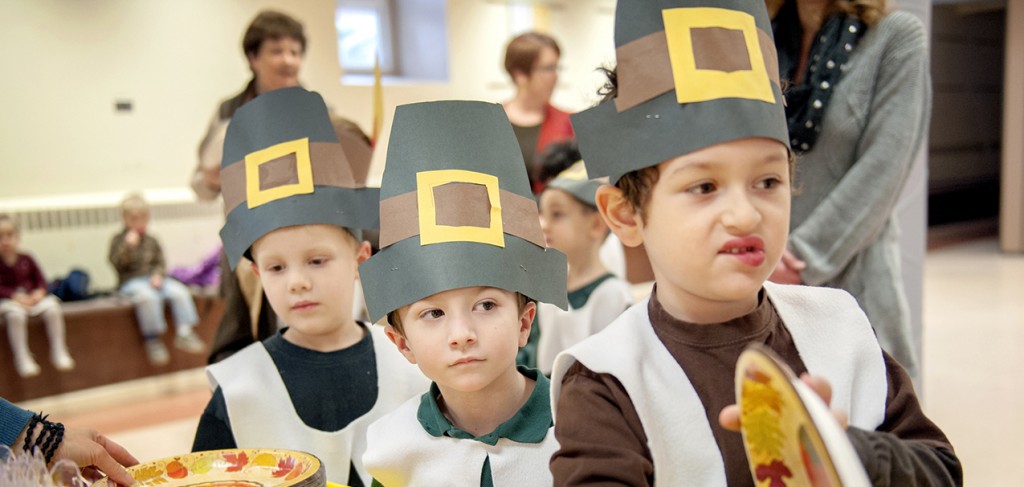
pixel 94 454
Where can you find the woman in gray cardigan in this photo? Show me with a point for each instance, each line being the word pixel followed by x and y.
pixel 858 107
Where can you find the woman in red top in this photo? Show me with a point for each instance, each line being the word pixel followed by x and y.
pixel 531 59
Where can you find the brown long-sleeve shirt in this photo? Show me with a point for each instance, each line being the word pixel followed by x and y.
pixel 602 441
pixel 144 259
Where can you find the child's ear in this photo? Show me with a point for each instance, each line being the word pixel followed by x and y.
pixel 400 342
pixel 255 268
pixel 362 254
pixel 526 322
pixel 620 216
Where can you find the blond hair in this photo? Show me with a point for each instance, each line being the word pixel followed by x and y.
pixel 134 202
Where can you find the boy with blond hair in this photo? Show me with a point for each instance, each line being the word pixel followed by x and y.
pixel 462 260
pixel 142 276
pixel 23 294
pixel 694 139
pixel 294 208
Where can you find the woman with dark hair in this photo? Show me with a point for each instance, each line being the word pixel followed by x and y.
pixel 858 107
pixel 274 45
pixel 531 60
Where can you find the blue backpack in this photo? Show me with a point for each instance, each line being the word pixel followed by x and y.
pixel 74 287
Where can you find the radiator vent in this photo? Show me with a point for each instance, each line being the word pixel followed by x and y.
pixel 70 218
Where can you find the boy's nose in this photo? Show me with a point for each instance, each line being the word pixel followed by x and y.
pixel 297 281
pixel 741 216
pixel 460 333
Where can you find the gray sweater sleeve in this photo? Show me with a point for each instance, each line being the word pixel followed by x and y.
pixel 854 213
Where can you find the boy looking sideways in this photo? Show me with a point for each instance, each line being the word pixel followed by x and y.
pixel 462 259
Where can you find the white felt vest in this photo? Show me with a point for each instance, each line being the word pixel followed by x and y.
pixel 401 453
pixel 830 332
pixel 560 330
pixel 262 415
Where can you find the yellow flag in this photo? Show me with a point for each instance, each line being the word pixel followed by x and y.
pixel 378 102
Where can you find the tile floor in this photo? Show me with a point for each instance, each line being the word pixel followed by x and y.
pixel 974 330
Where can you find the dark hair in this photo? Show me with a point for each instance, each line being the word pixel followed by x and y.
pixel 635 185
pixel 395 318
pixel 523 50
pixel 868 11
pixel 557 157
pixel 270 24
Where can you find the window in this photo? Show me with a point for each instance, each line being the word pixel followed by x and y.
pixel 364 32
pixel 410 36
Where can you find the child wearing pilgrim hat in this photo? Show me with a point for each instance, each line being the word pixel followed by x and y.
pixel 694 139
pixel 462 261
pixel 294 208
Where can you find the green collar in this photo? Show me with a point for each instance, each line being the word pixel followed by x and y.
pixel 529 425
pixel 579 297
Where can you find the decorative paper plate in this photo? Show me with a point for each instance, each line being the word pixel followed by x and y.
pixel 231 468
pixel 790 436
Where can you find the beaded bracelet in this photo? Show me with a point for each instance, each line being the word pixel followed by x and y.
pixel 36 419
pixel 53 439
pixel 49 438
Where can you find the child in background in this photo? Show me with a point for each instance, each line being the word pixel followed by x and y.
pixel 456 276
pixel 293 207
pixel 572 225
pixel 23 294
pixel 141 275
pixel 700 160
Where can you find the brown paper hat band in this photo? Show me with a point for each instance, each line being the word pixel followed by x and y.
pixel 399 215
pixel 645 70
pixel 282 176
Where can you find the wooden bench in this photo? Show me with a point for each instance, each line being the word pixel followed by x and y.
pixel 103 337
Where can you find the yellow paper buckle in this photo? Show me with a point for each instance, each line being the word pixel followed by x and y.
pixel 254 195
pixel 431 232
pixel 696 85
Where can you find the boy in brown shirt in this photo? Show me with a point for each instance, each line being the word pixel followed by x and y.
pixel 694 138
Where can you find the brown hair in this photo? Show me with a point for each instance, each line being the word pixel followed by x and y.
pixel 868 11
pixel 5 218
pixel 523 50
pixel 395 318
pixel 270 24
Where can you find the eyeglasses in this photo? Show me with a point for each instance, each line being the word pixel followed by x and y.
pixel 548 68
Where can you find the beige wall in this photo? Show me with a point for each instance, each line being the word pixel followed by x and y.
pixel 67 61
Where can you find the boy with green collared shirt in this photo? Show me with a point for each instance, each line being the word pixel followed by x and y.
pixel 462 259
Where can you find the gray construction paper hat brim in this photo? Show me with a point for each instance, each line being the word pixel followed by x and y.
pixel 352 209
pixel 582 190
pixel 614 143
pixel 407 272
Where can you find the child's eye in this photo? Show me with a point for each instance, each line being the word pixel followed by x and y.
pixel 275 268
pixel 769 183
pixel 431 314
pixel 487 305
pixel 701 188
pixel 318 261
